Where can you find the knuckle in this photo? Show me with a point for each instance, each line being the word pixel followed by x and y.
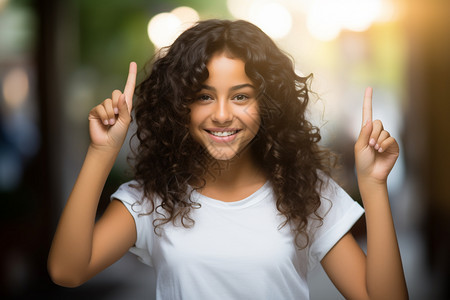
pixel 116 95
pixel 377 123
pixel 99 108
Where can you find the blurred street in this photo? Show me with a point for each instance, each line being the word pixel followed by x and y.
pixel 58 59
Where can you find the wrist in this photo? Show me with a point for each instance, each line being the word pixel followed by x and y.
pixel 103 150
pixel 370 188
pixel 102 155
pixel 371 184
pixel 367 178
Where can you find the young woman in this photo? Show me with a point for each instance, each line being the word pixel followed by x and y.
pixel 231 197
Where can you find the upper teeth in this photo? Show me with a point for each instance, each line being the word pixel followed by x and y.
pixel 223 133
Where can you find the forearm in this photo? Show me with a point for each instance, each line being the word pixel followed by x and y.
pixel 72 244
pixel 384 275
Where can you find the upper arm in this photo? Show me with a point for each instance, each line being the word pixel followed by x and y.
pixel 114 233
pixel 345 265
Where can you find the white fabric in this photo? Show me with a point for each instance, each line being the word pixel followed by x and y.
pixel 235 249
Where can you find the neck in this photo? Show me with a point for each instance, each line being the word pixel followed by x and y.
pixel 234 179
pixel 240 170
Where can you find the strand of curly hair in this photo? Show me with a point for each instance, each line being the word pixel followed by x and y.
pixel 167 159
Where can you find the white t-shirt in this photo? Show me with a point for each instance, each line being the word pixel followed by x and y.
pixel 237 250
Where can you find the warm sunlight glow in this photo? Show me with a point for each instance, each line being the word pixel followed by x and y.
pixel 272 17
pixel 322 21
pixel 326 18
pixel 358 15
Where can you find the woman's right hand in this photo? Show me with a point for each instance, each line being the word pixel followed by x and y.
pixel 109 121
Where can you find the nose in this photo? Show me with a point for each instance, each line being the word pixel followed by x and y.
pixel 223 112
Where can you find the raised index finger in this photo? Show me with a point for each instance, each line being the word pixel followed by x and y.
pixel 367 107
pixel 130 85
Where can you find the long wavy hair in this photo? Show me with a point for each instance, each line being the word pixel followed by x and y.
pixel 167 158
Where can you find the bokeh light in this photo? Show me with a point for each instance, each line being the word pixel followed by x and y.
pixel 272 17
pixel 162 29
pixel 327 18
pixel 165 27
pixel 239 8
pixel 15 88
pixel 322 22
pixel 324 19
pixel 358 15
pixel 187 15
pixel 3 4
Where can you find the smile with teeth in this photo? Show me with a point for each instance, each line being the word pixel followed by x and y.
pixel 223 133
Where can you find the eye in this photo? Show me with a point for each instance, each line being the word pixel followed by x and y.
pixel 204 97
pixel 240 97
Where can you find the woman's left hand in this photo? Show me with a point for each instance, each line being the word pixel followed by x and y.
pixel 375 150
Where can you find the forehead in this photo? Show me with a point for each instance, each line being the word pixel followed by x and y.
pixel 223 67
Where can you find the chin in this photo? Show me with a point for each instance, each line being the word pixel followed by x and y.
pixel 227 155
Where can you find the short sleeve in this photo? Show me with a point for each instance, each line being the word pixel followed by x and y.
pixel 131 195
pixel 340 212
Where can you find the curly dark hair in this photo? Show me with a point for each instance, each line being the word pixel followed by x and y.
pixel 167 157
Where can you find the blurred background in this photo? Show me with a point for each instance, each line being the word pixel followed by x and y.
pixel 58 59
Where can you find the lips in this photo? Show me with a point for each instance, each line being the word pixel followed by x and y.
pixel 223 135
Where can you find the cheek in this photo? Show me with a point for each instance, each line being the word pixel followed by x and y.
pixel 253 117
pixel 194 116
pixel 197 117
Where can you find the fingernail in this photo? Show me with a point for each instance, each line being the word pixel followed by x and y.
pixel 377 147
pixel 105 122
pixel 380 150
pixel 111 121
pixel 372 142
pixel 116 110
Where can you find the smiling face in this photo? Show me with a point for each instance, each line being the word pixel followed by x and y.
pixel 224 116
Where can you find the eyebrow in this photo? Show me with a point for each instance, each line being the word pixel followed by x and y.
pixel 233 88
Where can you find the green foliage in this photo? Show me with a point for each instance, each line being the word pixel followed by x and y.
pixel 114 32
